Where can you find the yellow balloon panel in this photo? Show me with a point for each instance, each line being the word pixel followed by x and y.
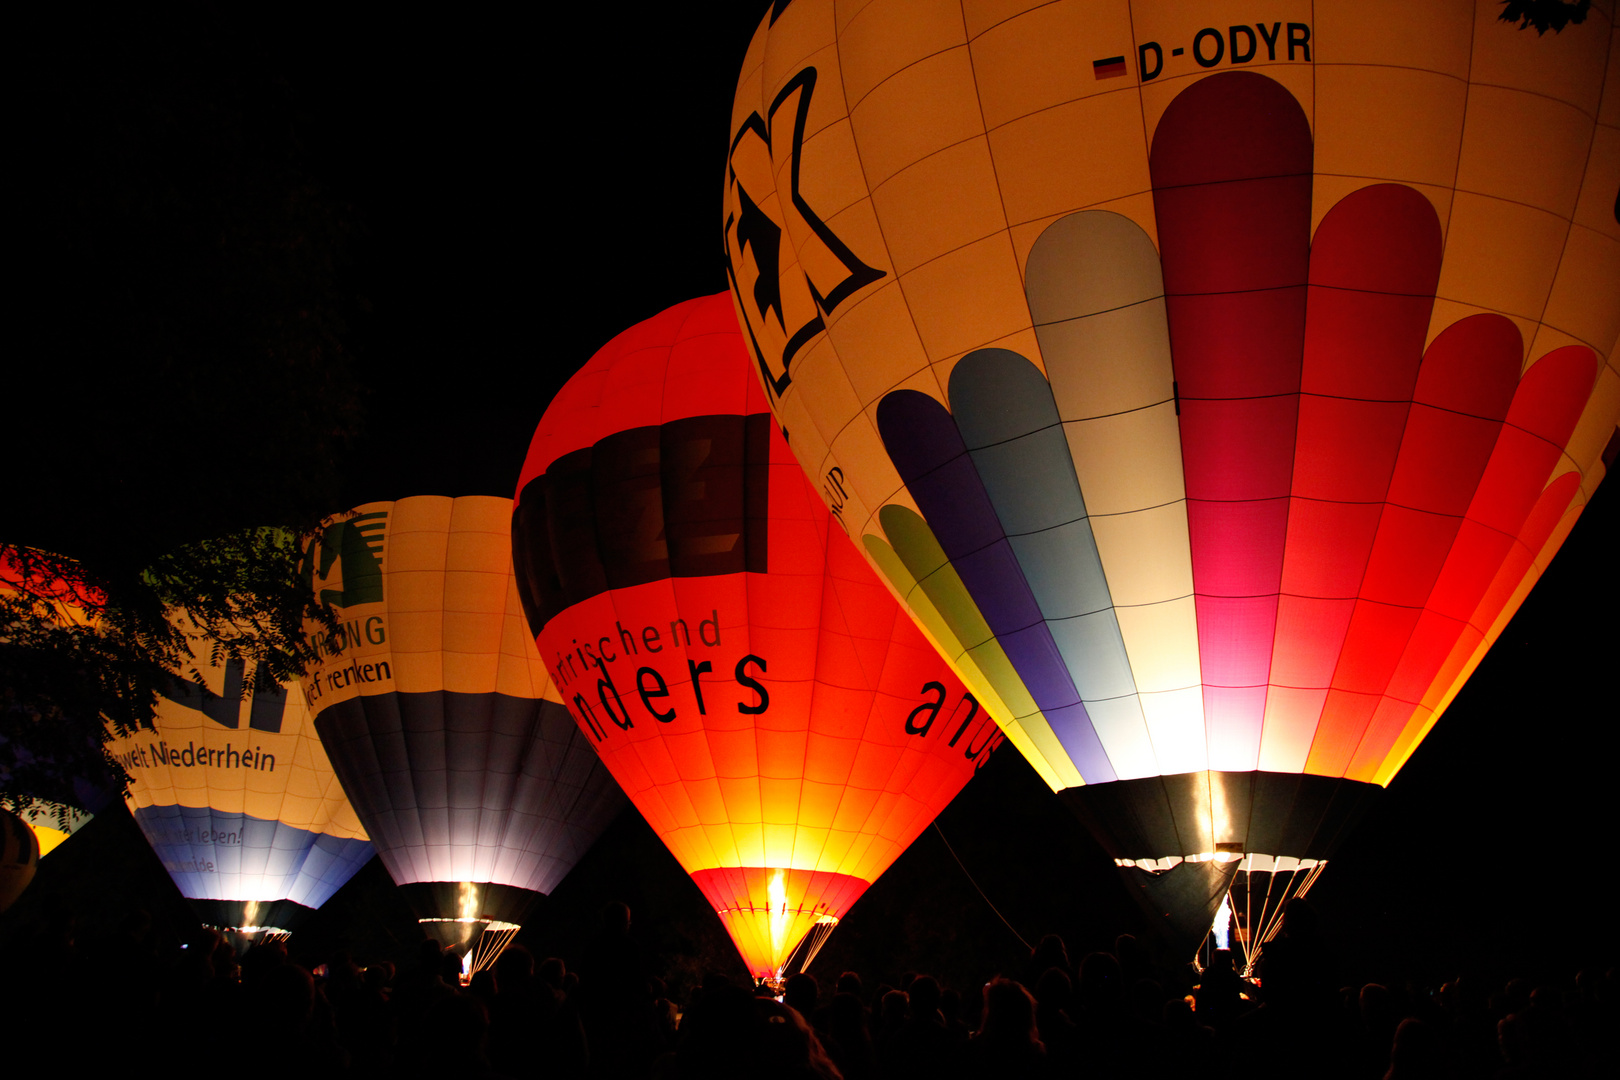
pixel 451 620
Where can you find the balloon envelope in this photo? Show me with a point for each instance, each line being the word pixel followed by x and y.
pixel 19 857
pixel 757 692
pixel 1213 404
pixel 238 799
pixel 441 720
pixel 53 823
pixel 69 605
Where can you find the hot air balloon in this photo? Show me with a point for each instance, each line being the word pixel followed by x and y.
pixel 19 857
pixel 69 605
pixel 756 691
pixel 442 722
pixel 62 601
pixel 236 796
pixel 53 823
pixel 1212 391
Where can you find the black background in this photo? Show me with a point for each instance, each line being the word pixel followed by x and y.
pixel 520 189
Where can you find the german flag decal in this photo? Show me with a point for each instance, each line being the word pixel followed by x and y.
pixel 1109 67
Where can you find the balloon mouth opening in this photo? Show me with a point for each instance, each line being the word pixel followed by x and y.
pixel 475 920
pixel 475 940
pixel 1253 902
pixel 243 938
pixel 795 955
pixel 246 923
pixel 1253 862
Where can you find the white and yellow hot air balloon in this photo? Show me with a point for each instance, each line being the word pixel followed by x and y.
pixel 236 795
pixel 448 733
pixel 1211 380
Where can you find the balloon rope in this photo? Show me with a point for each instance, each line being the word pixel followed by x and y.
pixel 1310 879
pixel 491 943
pixel 819 933
pixel 975 884
pixel 1265 929
pixel 1248 919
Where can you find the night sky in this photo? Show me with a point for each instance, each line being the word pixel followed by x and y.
pixel 519 192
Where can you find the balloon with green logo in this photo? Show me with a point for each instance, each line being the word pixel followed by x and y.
pixel 465 767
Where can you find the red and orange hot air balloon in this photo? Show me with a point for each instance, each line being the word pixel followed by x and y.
pixel 750 683
pixel 1213 382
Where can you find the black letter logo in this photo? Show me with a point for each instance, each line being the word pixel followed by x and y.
pixel 929 707
pixel 1198 46
pixel 752 684
pixel 1242 57
pixel 1142 60
pixel 754 241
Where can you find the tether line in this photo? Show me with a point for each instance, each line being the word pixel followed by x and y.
pixel 975 884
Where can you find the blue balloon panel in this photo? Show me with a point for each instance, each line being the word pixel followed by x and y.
pixel 213 855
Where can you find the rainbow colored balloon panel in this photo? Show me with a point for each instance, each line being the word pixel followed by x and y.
pixel 1212 405
pixel 1245 519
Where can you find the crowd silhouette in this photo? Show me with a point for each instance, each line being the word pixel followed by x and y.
pixel 1119 1013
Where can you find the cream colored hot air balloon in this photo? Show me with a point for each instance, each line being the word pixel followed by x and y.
pixel 465 767
pixel 1211 381
pixel 238 799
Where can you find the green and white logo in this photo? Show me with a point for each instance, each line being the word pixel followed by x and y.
pixel 355 546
